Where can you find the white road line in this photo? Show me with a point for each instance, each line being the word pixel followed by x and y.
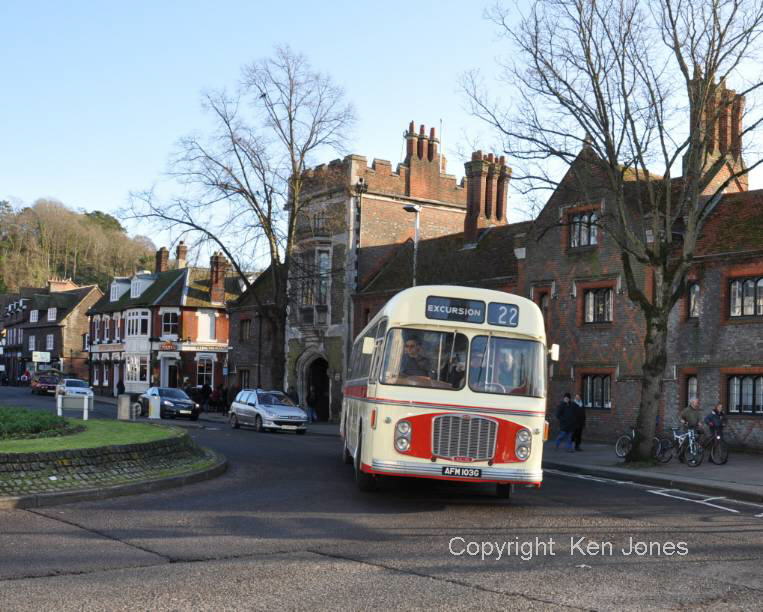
pixel 664 493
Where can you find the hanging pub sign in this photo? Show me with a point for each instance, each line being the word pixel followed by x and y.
pixel 455 309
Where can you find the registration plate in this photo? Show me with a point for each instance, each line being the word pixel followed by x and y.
pixel 289 426
pixel 185 412
pixel 462 472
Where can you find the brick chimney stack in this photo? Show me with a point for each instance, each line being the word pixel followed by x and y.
pixel 181 255
pixel 721 125
pixel 162 260
pixel 61 284
pixel 217 268
pixel 487 181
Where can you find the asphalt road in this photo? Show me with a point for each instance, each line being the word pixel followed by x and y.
pixel 285 527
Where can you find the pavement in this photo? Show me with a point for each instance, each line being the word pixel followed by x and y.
pixel 740 478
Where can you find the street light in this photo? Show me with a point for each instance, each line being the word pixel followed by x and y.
pixel 414 208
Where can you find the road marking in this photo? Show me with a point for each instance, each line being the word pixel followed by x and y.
pixel 665 493
pixel 672 493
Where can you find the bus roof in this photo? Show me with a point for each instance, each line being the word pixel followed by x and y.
pixel 452 306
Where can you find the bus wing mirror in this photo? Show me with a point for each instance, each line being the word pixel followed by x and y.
pixel 554 352
pixel 368 345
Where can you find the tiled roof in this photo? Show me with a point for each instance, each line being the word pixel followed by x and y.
pixel 734 226
pixel 445 260
pixel 198 289
pixel 262 286
pixel 62 301
pixel 163 281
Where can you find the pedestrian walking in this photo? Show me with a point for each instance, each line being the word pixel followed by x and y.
pixel 565 412
pixel 577 435
pixel 120 388
pixel 312 399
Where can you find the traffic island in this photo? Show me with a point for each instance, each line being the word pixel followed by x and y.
pixel 105 459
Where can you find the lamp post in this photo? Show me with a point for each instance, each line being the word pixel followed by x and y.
pixel 414 208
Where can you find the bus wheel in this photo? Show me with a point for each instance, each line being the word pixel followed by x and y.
pixel 503 491
pixel 365 482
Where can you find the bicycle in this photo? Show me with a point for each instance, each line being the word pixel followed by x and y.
pixel 719 449
pixel 625 443
pixel 686 446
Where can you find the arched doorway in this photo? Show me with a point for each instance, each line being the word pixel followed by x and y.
pixel 318 387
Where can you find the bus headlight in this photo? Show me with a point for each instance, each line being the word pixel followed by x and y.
pixel 523 444
pixel 403 428
pixel 403 436
pixel 402 444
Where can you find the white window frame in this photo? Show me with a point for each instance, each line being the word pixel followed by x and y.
pixel 117 321
pixel 31 343
pixel 211 316
pixel 210 374
pixel 49 342
pixel 96 331
pixel 106 333
pixel 96 367
pixel 168 334
pixel 133 365
pixel 135 288
pixel 33 315
pixel 105 374
pixel 133 325
pixel 52 312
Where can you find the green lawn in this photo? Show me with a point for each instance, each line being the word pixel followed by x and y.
pixel 99 432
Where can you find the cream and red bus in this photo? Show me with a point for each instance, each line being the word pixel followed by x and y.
pixel 449 383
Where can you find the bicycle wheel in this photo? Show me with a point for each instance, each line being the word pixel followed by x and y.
pixel 694 456
pixel 623 446
pixel 719 452
pixel 664 451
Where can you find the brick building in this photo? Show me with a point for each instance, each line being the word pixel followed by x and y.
pixel 568 264
pixel 252 335
pixel 352 224
pixel 168 327
pixel 49 322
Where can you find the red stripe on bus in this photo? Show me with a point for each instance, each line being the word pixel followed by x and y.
pixel 360 391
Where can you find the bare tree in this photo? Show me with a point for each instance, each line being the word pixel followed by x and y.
pixel 245 180
pixel 633 92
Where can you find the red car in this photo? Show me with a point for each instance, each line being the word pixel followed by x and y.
pixel 44 384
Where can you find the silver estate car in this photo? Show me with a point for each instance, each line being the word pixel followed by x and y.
pixel 267 410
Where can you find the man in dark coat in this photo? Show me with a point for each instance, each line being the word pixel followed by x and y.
pixel 565 412
pixel 577 435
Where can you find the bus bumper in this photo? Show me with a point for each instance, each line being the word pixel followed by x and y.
pixel 434 470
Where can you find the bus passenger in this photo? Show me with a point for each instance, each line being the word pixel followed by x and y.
pixel 414 362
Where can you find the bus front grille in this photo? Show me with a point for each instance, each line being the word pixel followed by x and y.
pixel 463 437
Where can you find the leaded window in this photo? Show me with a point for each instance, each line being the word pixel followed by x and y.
pixel 584 229
pixel 746 297
pixel 694 300
pixel 598 305
pixel 746 394
pixel 597 391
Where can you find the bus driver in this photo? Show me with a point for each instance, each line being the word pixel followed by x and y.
pixel 414 362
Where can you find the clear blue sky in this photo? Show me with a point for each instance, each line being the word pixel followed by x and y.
pixel 95 94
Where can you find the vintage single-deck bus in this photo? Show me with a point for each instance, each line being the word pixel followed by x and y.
pixel 449 383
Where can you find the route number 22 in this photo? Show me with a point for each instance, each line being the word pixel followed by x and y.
pixel 506 315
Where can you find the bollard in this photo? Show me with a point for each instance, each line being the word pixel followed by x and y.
pixel 59 402
pixel 84 407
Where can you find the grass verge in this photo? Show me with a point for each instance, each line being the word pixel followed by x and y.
pixel 98 432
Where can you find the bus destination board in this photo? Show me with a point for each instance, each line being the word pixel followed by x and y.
pixel 506 315
pixel 455 309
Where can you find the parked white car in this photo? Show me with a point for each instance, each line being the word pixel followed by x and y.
pixel 267 410
pixel 73 387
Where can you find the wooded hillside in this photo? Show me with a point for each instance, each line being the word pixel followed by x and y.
pixel 50 240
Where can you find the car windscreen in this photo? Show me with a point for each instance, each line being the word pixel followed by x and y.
pixel 421 358
pixel 507 366
pixel 173 393
pixel 76 383
pixel 273 398
pixel 49 380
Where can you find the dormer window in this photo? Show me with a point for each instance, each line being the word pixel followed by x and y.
pixel 52 314
pixel 135 288
pixel 114 292
pixel 33 316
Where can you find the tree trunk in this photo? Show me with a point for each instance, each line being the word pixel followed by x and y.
pixel 655 358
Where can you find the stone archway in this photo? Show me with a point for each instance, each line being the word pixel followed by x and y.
pixel 312 370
